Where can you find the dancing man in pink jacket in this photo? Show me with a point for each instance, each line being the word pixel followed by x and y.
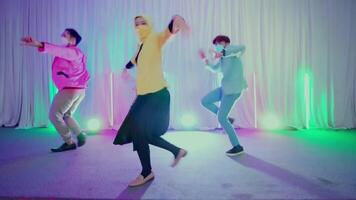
pixel 70 75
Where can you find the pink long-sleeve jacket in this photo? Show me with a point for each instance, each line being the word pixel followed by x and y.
pixel 69 66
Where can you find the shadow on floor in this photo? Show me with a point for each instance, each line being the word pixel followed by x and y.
pixel 134 193
pixel 286 176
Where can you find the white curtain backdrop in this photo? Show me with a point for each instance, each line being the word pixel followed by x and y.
pixel 302 54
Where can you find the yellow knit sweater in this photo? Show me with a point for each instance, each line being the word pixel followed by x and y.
pixel 150 77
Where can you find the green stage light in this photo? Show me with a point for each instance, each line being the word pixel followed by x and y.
pixel 189 120
pixel 94 124
pixel 271 121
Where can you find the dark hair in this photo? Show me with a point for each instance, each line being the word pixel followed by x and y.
pixel 75 34
pixel 221 38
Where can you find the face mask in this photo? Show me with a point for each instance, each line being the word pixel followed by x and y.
pixel 64 40
pixel 143 31
pixel 219 48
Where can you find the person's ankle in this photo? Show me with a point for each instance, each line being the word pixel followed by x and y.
pixel 145 174
pixel 175 154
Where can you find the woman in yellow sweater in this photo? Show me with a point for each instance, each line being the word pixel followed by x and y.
pixel 148 118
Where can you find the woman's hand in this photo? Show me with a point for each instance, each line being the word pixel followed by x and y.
pixel 218 55
pixel 179 24
pixel 215 54
pixel 125 75
pixel 30 41
pixel 201 54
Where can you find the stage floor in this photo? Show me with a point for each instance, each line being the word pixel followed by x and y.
pixel 314 164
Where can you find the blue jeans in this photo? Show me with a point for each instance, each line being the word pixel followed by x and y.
pixel 226 104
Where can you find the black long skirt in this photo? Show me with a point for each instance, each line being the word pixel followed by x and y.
pixel 147 117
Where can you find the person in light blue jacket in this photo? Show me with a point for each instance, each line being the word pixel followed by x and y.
pixel 232 85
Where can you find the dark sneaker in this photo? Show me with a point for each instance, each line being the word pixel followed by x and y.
pixel 235 151
pixel 65 147
pixel 81 139
pixel 231 120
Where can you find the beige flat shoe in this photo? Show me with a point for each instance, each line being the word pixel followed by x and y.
pixel 140 180
pixel 182 153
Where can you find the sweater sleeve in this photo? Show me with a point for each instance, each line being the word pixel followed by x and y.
pixel 67 53
pixel 213 67
pixel 166 34
pixel 237 49
pixel 129 65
